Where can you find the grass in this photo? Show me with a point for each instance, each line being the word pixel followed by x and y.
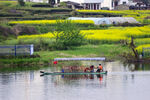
pixel 20 61
pixel 110 51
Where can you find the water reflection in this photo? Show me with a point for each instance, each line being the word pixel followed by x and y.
pixel 123 82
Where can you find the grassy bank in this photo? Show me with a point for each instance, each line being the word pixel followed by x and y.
pixel 110 43
pixel 110 51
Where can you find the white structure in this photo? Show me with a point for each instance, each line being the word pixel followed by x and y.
pixel 98 4
pixel 88 4
pixel 93 4
pixel 40 1
pixel 107 20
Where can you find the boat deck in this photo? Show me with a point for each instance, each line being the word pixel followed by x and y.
pixel 73 73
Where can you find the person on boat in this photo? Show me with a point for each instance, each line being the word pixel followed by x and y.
pixel 100 68
pixel 86 69
pixel 62 70
pixel 100 77
pixel 92 68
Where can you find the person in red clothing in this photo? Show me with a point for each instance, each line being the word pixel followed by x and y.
pixel 55 62
pixel 100 68
pixel 86 69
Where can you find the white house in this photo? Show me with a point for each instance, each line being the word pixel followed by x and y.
pixel 98 4
pixel 93 4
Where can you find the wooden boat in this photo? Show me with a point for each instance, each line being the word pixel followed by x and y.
pixel 73 73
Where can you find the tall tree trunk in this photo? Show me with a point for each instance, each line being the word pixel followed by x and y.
pixel 132 46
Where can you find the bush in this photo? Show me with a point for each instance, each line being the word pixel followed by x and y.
pixel 67 35
pixel 39 43
pixel 146 21
pixel 19 56
pixel 21 2
pixel 5 14
pixel 41 5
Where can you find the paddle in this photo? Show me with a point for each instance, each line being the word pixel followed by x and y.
pixel 41 71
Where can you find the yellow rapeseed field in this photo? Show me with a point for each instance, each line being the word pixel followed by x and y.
pixel 137 14
pixel 47 35
pixel 110 35
pixel 140 48
pixel 51 21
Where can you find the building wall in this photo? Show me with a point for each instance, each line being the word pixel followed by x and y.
pixel 107 3
pixel 84 1
pixel 77 1
pixel 88 4
pixel 92 3
pixel 40 1
pixel 122 1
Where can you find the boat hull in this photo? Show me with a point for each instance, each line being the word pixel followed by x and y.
pixel 74 73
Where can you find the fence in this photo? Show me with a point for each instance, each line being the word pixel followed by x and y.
pixel 16 50
pixel 146 52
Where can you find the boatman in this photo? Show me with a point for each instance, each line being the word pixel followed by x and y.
pixel 92 68
pixel 100 68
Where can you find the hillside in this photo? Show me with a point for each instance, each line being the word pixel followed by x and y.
pixel 20 25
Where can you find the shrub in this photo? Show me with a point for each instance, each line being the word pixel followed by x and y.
pixel 41 5
pixel 21 2
pixel 67 35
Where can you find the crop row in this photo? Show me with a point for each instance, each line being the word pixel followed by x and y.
pixel 137 14
pixel 111 35
pixel 50 22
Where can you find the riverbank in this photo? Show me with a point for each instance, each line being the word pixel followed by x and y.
pixel 110 51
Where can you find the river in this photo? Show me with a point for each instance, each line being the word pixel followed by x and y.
pixel 123 82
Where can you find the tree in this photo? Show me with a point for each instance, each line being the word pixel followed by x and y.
pixel 146 2
pixel 21 2
pixel 51 2
pixel 58 1
pixel 67 35
pixel 133 47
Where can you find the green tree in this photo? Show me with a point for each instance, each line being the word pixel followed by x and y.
pixel 146 2
pixel 67 35
pixel 21 2
pixel 51 2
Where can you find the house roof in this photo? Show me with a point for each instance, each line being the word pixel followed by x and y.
pixel 70 2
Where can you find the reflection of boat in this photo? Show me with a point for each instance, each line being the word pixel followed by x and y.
pixel 73 73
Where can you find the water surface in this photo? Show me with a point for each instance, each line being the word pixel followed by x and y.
pixel 123 82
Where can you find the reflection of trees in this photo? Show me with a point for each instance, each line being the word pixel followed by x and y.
pixel 141 66
pixel 137 66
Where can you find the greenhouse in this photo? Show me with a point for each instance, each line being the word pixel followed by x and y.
pixel 107 20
